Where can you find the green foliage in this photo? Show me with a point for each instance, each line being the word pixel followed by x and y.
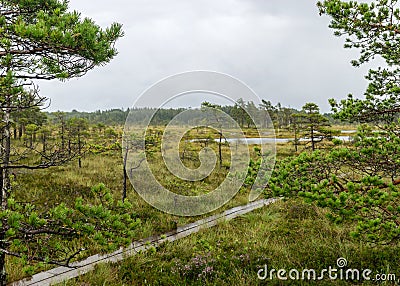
pixel 34 235
pixel 41 39
pixel 359 183
pixel 337 180
pixel 312 125
pixel 374 29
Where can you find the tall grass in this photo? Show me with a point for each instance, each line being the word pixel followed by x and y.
pixel 287 235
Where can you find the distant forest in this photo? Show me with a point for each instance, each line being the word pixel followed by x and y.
pixel 281 116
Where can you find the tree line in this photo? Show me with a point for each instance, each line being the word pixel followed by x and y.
pixel 280 115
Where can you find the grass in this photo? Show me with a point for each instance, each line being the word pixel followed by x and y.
pixel 287 235
pixel 48 187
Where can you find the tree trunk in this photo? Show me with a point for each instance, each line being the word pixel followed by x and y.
pixel 62 134
pixel 125 183
pixel 124 191
pixel 5 185
pixel 3 274
pixel 79 149
pixel 20 131
pixel 220 149
pixel 312 138
pixel 296 142
pixel 44 143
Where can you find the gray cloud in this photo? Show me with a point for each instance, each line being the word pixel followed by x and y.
pixel 282 49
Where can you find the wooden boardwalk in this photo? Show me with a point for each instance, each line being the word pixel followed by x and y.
pixel 60 274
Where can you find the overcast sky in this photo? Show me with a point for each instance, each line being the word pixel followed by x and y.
pixel 282 49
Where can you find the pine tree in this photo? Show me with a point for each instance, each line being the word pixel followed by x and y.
pixel 42 40
pixel 359 183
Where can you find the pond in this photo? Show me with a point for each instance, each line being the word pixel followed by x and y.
pixel 251 141
pixel 263 140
